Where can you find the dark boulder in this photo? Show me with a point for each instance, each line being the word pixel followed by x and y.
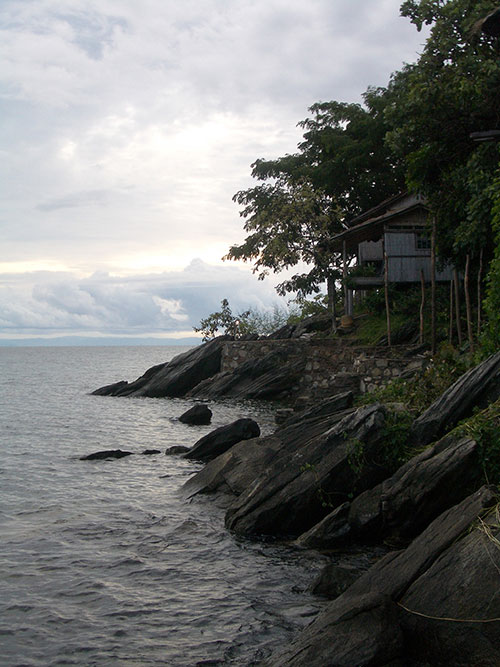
pixel 236 469
pixel 364 612
pixel 199 414
pixel 294 492
pixel 106 454
pixel 403 505
pixel 478 385
pixel 269 377
pixel 150 452
pixel 174 378
pixel 244 463
pixel 334 579
pixel 359 632
pixel 219 441
pixel 322 408
pixel 462 585
pixel 176 449
pixel 331 532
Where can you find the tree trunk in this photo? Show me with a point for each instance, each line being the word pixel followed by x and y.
pixel 422 304
pixel 468 304
pixel 386 290
pixel 457 307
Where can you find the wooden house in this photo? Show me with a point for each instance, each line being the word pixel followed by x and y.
pixel 397 229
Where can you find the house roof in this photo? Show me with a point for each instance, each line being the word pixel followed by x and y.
pixel 370 226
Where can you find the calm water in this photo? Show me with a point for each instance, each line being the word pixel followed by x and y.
pixel 102 563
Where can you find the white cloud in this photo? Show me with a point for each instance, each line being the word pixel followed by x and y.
pixel 128 126
pixel 169 302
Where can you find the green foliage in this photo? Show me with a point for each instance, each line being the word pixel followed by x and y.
pixel 491 338
pixel 420 391
pixel 301 307
pixel 484 428
pixel 251 321
pixel 452 91
pixel 221 321
pixel 342 167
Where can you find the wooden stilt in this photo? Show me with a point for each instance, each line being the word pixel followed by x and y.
pixel 422 304
pixel 386 290
pixel 468 308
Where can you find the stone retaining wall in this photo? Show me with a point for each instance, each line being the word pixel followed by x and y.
pixel 331 365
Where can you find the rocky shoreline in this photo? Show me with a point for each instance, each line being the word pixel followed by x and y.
pixel 324 479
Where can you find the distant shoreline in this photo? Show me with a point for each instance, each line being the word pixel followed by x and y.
pixel 88 341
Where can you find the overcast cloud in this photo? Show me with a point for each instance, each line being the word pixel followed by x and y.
pixel 127 127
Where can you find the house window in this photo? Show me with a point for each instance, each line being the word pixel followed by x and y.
pixel 422 241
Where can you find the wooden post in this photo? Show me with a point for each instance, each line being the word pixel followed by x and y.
pixel 451 313
pixel 433 287
pixel 468 309
pixel 479 279
pixel 331 301
pixel 457 307
pixel 422 304
pixel 344 276
pixel 386 290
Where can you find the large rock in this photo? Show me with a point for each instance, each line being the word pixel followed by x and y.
pixel 428 484
pixel 461 585
pixel 405 503
pixel 272 376
pixel 295 491
pixel 174 378
pixel 219 441
pixel 198 414
pixel 243 464
pixel 236 469
pixel 392 578
pixel 477 385
pixel 365 634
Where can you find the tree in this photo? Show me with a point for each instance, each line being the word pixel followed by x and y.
pixel 452 91
pixel 341 168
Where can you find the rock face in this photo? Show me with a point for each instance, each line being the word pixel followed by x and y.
pixel 174 378
pixel 272 376
pixel 457 402
pixel 219 441
pixel 405 503
pixel 106 454
pixel 367 618
pixel 198 414
pixel 290 495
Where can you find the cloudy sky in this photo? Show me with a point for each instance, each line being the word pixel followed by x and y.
pixel 128 125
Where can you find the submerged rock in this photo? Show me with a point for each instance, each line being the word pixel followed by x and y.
pixel 150 452
pixel 198 414
pixel 106 454
pixel 176 449
pixel 219 441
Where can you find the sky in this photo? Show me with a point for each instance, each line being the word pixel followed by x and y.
pixel 128 126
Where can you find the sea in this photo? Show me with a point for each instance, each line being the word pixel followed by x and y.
pixel 104 562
